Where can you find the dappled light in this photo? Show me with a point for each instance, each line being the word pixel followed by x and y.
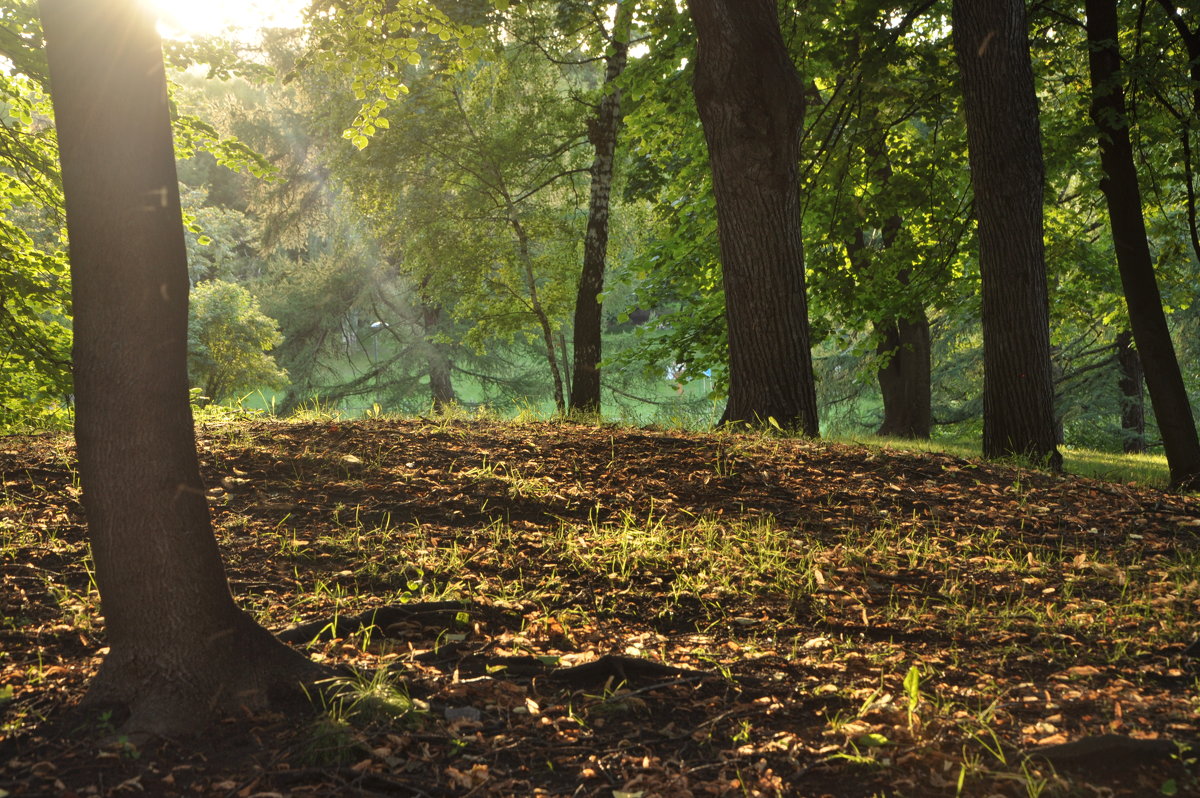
pixel 620 399
pixel 186 19
pixel 554 606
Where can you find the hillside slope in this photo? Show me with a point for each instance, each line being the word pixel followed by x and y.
pixel 582 610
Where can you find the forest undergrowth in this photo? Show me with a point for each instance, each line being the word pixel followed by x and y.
pixel 563 609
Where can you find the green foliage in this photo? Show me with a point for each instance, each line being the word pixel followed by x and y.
pixel 35 315
pixel 229 341
pixel 474 194
pixel 35 340
pixel 887 190
pixel 675 275
pixel 193 135
pixel 217 239
pixel 374 44
pixel 456 234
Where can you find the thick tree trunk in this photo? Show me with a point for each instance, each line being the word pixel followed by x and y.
pixel 585 384
pixel 1168 396
pixel 1005 151
pixel 751 103
pixel 180 649
pixel 1133 408
pixel 905 380
pixel 441 388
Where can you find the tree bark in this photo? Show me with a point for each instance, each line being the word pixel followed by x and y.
pixel 1168 396
pixel 1007 174
pixel 441 387
pixel 1133 408
pixel 751 104
pixel 603 130
pixel 180 649
pixel 905 380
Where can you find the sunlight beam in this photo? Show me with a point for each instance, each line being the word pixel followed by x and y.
pixel 185 19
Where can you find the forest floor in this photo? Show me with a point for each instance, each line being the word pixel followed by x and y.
pixel 601 611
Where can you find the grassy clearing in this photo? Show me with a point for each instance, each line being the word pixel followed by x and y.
pixel 1144 469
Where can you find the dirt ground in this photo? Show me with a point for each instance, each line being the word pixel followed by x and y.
pixel 578 610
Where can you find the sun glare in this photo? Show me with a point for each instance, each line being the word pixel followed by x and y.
pixel 184 19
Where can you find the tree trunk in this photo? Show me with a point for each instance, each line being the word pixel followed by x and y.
pixel 905 380
pixel 751 104
pixel 441 388
pixel 1133 408
pixel 563 351
pixel 535 304
pixel 1007 174
pixel 585 384
pixel 180 649
pixel 1168 396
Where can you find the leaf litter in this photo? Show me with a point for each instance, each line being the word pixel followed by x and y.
pixel 560 609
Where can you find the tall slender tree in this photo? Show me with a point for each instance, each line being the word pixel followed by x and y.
pixel 1005 151
pixel 1164 381
pixel 602 132
pixel 751 104
pixel 180 648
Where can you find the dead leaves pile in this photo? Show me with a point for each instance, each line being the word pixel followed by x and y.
pixel 634 613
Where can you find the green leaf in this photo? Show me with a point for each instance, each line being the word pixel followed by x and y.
pixel 912 686
pixel 872 740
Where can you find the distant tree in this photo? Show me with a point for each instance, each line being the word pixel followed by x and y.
pixel 1168 394
pixel 904 345
pixel 473 190
pixel 441 383
pixel 1130 382
pixel 1007 172
pixel 180 650
pixel 885 179
pixel 229 342
pixel 751 104
pixel 602 133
